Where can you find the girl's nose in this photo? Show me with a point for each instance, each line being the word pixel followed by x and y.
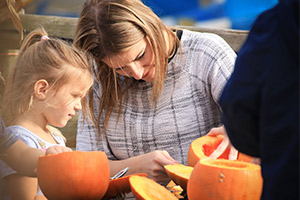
pixel 136 71
pixel 78 105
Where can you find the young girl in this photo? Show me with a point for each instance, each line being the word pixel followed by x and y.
pixel 45 88
pixel 17 154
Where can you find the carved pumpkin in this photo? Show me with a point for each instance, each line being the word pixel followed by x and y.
pixel 179 173
pixel 205 145
pixel 73 175
pixel 119 186
pixel 225 179
pixel 144 188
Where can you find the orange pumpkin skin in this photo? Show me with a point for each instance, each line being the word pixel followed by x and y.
pixel 179 173
pixel 73 175
pixel 204 146
pixel 118 186
pixel 144 188
pixel 226 180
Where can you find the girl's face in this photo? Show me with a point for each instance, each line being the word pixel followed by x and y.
pixel 136 62
pixel 64 104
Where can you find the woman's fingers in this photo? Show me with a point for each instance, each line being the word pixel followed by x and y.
pixel 167 159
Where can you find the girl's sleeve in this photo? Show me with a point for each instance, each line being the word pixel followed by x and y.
pixel 6 139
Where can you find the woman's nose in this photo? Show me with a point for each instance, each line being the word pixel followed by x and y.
pixel 136 71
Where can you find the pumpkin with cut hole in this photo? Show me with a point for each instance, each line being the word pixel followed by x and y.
pixel 225 179
pixel 73 175
pixel 144 188
pixel 179 173
pixel 204 146
pixel 119 186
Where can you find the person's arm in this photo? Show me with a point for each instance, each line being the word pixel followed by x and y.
pixel 87 140
pixel 23 158
pixel 21 187
pixel 151 163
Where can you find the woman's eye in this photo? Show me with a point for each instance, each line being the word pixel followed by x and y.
pixel 120 69
pixel 141 56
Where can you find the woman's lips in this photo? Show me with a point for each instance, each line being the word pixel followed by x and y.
pixel 146 74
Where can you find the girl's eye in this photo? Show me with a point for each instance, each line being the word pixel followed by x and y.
pixel 76 95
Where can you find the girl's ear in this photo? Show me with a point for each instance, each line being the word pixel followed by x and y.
pixel 41 88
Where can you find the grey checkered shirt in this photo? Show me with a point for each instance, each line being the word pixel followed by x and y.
pixel 186 110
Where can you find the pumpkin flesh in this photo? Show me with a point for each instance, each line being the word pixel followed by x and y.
pixel 179 173
pixel 119 186
pixel 204 146
pixel 144 188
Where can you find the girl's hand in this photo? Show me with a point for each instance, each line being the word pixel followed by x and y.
pixel 233 153
pixel 57 149
pixel 153 164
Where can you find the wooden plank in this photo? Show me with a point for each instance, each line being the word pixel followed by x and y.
pixel 64 27
pixel 235 38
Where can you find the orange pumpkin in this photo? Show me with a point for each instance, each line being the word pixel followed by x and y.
pixel 225 179
pixel 179 173
pixel 73 175
pixel 175 189
pixel 119 186
pixel 144 188
pixel 205 145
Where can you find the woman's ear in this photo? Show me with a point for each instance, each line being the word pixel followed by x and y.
pixel 41 88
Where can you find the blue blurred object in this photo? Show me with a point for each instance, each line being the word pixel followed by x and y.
pixel 170 7
pixel 242 13
pixel 198 13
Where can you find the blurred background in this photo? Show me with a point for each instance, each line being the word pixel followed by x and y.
pixel 234 14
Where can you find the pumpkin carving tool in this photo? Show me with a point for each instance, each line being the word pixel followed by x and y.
pixel 120 173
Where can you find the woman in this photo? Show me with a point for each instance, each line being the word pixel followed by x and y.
pixel 156 89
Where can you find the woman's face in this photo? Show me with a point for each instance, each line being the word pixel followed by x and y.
pixel 136 62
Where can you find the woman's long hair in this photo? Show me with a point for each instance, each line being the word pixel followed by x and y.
pixel 109 27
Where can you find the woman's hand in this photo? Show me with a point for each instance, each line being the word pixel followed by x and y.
pixel 233 153
pixel 57 149
pixel 153 164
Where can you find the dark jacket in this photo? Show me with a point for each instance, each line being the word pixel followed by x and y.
pixel 260 102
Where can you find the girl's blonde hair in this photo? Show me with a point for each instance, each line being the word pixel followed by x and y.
pixel 42 58
pixel 108 27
